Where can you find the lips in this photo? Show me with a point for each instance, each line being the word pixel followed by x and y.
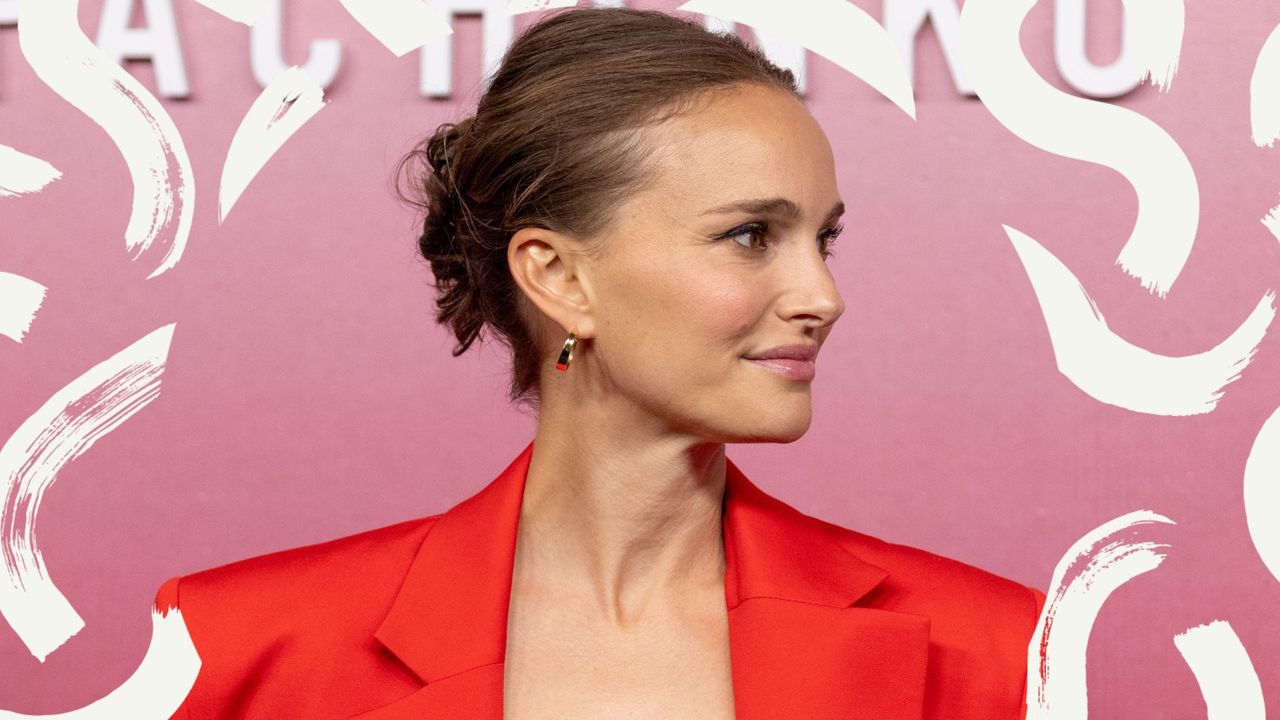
pixel 798 351
pixel 792 368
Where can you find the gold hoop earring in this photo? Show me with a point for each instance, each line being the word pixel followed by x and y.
pixel 566 353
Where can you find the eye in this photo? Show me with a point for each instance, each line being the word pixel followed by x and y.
pixel 758 231
pixel 752 231
pixel 828 238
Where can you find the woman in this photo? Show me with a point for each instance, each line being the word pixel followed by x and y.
pixel 641 210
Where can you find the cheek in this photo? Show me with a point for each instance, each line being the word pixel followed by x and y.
pixel 718 309
pixel 688 320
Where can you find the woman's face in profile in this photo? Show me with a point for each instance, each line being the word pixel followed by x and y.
pixel 688 285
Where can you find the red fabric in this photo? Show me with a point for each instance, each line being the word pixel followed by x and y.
pixel 409 621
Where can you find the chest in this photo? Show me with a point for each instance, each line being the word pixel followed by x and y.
pixel 561 664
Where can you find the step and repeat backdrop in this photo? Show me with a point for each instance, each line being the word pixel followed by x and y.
pixel 1057 362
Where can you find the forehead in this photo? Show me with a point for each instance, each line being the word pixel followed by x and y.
pixel 747 142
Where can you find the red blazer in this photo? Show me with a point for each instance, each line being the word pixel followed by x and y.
pixel 409 621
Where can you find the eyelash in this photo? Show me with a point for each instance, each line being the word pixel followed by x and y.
pixel 762 229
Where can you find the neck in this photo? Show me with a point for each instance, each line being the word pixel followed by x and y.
pixel 621 511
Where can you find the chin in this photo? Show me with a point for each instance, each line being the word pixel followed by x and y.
pixel 755 412
pixel 775 438
pixel 794 434
pixel 780 430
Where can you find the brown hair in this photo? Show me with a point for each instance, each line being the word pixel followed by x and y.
pixel 553 144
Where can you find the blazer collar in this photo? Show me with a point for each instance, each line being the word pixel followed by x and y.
pixel 801 645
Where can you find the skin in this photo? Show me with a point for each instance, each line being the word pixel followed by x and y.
pixel 617 606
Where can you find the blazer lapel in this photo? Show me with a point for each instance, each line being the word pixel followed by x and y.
pixel 801 642
pixel 448 624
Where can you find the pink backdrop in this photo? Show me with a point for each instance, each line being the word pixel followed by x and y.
pixel 309 395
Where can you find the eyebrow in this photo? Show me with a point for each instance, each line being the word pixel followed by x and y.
pixel 777 206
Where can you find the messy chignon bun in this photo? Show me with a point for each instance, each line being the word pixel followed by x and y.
pixel 442 244
pixel 554 143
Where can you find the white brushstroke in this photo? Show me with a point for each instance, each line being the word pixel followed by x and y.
pixel 1264 93
pixel 1093 568
pixel 519 7
pixel 1093 131
pixel 1114 371
pixel 248 12
pixel 1271 221
pixel 1262 493
pixel 67 425
pixel 1156 28
pixel 401 25
pixel 21 174
pixel 835 29
pixel 291 99
pixel 156 688
pixel 20 299
pixel 1228 681
pixel 163 187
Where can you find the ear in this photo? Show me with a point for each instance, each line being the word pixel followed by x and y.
pixel 550 269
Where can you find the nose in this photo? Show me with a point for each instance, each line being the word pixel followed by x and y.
pixel 810 295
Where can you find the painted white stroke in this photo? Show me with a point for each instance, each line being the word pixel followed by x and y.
pixel 1271 221
pixel 245 11
pixel 156 688
pixel 1095 566
pixel 1262 493
pixel 401 25
pixel 21 173
pixel 163 187
pixel 1228 681
pixel 1117 372
pixel 20 299
pixel 1156 30
pixel 67 425
pixel 837 30
pixel 1093 131
pixel 519 7
pixel 1264 93
pixel 287 103
pixel 1264 109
